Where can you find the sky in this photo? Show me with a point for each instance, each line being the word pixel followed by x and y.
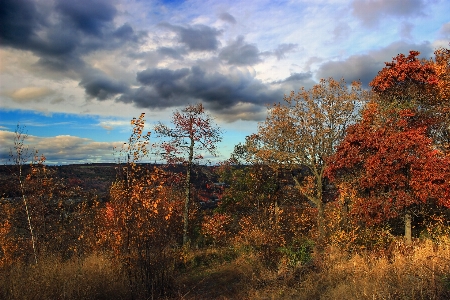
pixel 74 73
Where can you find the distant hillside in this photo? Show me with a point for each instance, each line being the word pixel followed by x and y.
pixel 91 177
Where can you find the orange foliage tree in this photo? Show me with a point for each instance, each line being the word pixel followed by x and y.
pixel 140 217
pixel 302 132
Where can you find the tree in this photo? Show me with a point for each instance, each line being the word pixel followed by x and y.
pixel 20 157
pixel 301 133
pixel 412 83
pixel 390 161
pixel 407 79
pixel 408 122
pixel 441 131
pixel 193 133
pixel 139 217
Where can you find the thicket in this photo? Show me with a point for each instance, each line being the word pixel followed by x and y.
pixel 363 213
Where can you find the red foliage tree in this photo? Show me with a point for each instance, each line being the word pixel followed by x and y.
pixel 393 165
pixel 407 79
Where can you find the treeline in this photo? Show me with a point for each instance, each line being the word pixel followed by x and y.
pixel 336 176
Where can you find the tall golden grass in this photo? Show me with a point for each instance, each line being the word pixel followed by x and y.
pixel 420 271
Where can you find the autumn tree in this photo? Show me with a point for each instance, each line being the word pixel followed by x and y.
pixel 392 166
pixel 407 80
pixel 193 134
pixel 395 157
pixel 303 131
pixel 139 219
pixel 421 84
pixel 441 129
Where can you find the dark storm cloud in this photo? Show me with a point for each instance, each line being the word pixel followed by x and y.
pixel 88 16
pixel 160 76
pixel 227 18
pixel 100 86
pixel 356 67
pixel 366 67
pixel 197 37
pixel 18 22
pixel 166 88
pixel 167 83
pixel 76 28
pixel 370 12
pixel 61 33
pixel 127 33
pixel 240 53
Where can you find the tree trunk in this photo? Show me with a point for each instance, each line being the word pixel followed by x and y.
pixel 188 193
pixel 320 221
pixel 408 233
pixel 186 206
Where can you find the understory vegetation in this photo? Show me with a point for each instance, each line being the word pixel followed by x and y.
pixel 343 193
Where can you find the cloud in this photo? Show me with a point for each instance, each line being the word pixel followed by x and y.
pixel 88 16
pixel 283 49
pixel 18 21
pixel 445 30
pixel 295 77
pixel 62 33
pixel 171 52
pixel 227 18
pixel 280 51
pixel 100 86
pixel 406 30
pixel 365 67
pixel 197 37
pixel 341 32
pixel 162 88
pixel 370 12
pixel 61 149
pixel 31 93
pixel 112 124
pixel 240 53
pixel 243 111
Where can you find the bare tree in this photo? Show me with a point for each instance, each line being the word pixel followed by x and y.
pixel 19 156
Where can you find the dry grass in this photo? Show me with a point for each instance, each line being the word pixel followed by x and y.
pixel 418 272
pixel 91 278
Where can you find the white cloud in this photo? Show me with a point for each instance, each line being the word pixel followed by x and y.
pixel 31 93
pixel 61 149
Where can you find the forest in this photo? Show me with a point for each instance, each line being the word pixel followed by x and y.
pixel 342 193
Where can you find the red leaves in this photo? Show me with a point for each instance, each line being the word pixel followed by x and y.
pixel 404 69
pixel 392 164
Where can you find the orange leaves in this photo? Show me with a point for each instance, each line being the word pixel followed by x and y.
pixel 216 226
pixel 442 68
